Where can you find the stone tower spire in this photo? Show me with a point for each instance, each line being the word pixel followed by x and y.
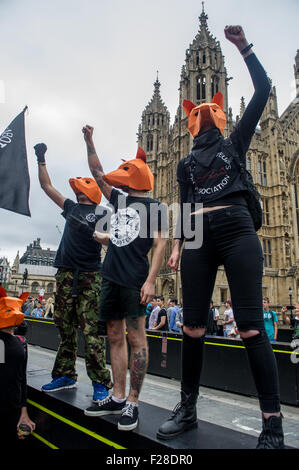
pixel 242 106
pixel 203 73
pixel 296 71
pixel 270 112
pixel 16 263
pixel 153 131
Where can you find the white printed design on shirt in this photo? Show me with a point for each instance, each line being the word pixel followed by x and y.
pixel 125 226
pixel 213 174
pixel 90 217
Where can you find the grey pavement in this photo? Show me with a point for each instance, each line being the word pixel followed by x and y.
pixel 237 412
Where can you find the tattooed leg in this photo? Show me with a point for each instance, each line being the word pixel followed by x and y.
pixel 139 355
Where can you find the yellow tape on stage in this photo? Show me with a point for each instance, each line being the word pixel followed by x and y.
pixel 92 434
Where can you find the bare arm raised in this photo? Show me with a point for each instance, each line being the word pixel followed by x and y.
pixel 44 178
pixel 236 35
pixel 94 162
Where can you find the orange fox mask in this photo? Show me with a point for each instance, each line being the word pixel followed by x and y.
pixel 206 112
pixel 134 174
pixel 87 186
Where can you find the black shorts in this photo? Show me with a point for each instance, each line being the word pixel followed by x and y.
pixel 119 302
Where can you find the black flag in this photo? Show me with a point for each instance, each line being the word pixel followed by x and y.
pixel 14 174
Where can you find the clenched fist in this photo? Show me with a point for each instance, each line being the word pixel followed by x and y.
pixel 88 133
pixel 235 34
pixel 40 150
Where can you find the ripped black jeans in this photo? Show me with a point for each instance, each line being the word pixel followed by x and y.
pixel 229 239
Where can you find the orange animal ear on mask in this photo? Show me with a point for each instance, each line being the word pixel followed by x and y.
pixel 141 154
pixel 24 296
pixel 218 99
pixel 188 106
pixel 2 292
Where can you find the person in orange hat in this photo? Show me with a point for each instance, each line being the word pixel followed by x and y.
pixel 78 260
pixel 128 283
pixel 13 364
pixel 214 175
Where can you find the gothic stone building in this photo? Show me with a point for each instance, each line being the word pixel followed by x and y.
pixel 273 159
pixel 41 273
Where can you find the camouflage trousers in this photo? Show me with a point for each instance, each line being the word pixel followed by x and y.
pixel 74 312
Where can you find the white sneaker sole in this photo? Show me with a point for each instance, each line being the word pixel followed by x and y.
pixel 59 388
pixel 127 428
pixel 102 413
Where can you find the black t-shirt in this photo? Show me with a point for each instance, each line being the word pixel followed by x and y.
pixel 132 228
pixel 13 388
pixel 75 249
pixel 162 313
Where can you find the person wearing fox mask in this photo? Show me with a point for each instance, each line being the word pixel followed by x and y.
pixel 128 283
pixel 211 175
pixel 13 364
pixel 77 284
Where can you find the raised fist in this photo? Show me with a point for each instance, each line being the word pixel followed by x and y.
pixel 88 132
pixel 40 150
pixel 235 34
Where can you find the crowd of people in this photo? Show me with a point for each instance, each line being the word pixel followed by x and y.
pixel 160 316
pixel 39 308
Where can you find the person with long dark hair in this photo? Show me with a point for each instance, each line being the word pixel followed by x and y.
pixel 212 175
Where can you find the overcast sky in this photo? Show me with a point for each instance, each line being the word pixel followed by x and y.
pixel 95 62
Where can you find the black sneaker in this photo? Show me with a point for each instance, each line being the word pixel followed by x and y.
pixel 129 418
pixel 105 407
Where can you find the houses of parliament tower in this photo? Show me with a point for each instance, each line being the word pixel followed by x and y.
pixel 272 159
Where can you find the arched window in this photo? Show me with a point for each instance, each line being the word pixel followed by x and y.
pixel 149 143
pixel 214 85
pixel 248 161
pixel 267 253
pixel 204 58
pixel 50 288
pixel 35 287
pixel 201 88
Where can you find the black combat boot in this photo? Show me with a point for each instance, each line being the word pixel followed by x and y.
pixel 182 418
pixel 271 436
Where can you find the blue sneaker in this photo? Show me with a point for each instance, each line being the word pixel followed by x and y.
pixel 100 392
pixel 59 383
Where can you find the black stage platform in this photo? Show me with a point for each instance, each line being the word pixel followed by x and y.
pixel 61 424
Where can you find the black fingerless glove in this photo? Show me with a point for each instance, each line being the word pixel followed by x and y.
pixel 80 225
pixel 40 150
